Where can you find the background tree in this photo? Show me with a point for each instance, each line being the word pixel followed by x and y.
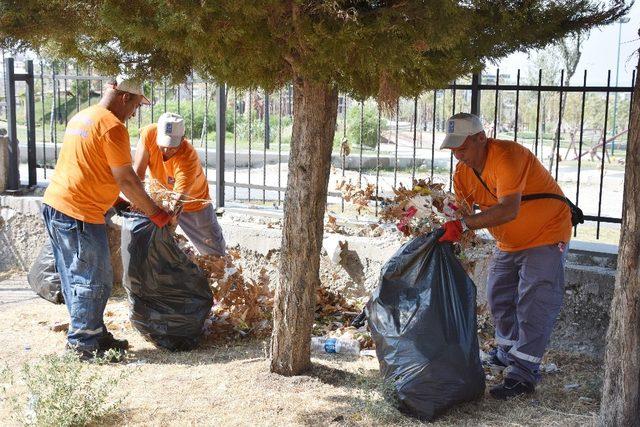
pixel 621 393
pixel 570 51
pixel 381 48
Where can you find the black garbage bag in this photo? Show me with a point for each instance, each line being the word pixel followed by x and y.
pixel 169 295
pixel 422 318
pixel 43 277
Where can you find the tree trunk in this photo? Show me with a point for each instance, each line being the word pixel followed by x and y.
pixel 621 392
pixel 315 109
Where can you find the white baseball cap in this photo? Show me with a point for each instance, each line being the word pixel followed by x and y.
pixel 170 130
pixel 131 86
pixel 459 127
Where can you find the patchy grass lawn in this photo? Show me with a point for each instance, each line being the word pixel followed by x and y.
pixel 230 383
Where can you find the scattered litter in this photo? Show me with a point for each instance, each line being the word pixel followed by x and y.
pixel 490 377
pixel 334 248
pixel 569 387
pixel 27 347
pixel 584 399
pixel 367 353
pixel 550 368
pixel 343 345
pixel 60 327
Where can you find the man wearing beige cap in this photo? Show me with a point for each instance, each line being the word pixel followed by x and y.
pixel 93 167
pixel 173 161
pixel 526 212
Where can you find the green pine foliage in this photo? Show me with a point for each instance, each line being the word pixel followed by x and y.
pixel 365 47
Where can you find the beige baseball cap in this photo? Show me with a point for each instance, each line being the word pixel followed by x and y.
pixel 170 130
pixel 459 127
pixel 131 86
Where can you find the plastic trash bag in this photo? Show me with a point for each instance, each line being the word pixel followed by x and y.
pixel 43 276
pixel 170 296
pixel 422 318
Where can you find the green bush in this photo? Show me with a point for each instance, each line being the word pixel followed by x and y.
pixel 61 391
pixel 369 128
pixel 257 129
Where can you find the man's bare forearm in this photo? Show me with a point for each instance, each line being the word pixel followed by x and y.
pixel 133 189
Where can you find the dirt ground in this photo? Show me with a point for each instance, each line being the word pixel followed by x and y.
pixel 230 383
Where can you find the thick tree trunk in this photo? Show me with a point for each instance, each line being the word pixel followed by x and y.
pixel 621 392
pixel 315 109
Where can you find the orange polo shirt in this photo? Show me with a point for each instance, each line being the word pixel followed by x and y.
pixel 82 185
pixel 511 168
pixel 182 173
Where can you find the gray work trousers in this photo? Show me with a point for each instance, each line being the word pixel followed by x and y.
pixel 525 291
pixel 203 231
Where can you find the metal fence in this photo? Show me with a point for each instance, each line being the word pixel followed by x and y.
pixel 576 131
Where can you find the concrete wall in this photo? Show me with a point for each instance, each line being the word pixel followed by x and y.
pixel 582 324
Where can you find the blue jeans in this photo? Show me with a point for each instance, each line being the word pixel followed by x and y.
pixel 525 291
pixel 81 251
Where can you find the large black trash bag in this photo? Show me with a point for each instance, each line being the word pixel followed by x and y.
pixel 43 276
pixel 169 295
pixel 422 318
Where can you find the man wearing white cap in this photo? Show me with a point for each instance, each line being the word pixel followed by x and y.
pixel 526 212
pixel 174 162
pixel 93 167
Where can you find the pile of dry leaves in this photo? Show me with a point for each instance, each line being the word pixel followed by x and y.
pixel 418 210
pixel 360 197
pixel 242 307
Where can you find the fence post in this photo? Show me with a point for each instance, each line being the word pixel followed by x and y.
pixel 220 140
pixel 475 94
pixel 267 128
pixel 31 125
pixel 13 179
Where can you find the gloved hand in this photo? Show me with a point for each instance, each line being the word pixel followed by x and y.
pixel 121 205
pixel 160 218
pixel 452 231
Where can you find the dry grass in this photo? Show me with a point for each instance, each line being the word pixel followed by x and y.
pixel 230 384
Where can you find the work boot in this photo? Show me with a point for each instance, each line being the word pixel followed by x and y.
pixel 511 388
pixel 108 342
pixel 493 362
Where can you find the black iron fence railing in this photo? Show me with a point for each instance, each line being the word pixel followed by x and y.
pixel 243 137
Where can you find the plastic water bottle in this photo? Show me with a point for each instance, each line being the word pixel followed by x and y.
pixel 335 345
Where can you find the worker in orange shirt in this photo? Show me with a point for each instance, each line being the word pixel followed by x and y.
pixel 173 161
pixel 93 167
pixel 526 212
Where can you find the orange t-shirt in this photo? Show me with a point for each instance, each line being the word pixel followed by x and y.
pixel 511 168
pixel 82 185
pixel 182 173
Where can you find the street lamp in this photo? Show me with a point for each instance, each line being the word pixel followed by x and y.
pixel 615 96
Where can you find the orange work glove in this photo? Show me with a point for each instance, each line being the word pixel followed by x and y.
pixel 161 218
pixel 452 231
